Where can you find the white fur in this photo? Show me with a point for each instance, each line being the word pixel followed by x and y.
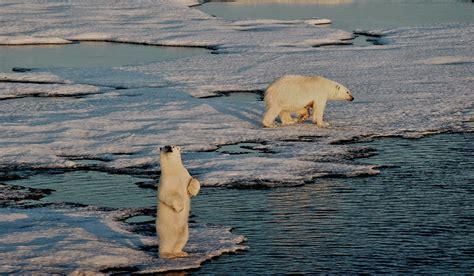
pixel 176 188
pixel 294 93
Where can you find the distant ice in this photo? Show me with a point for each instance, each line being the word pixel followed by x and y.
pixel 10 91
pixel 65 240
pixel 32 77
pixel 168 22
pixel 32 40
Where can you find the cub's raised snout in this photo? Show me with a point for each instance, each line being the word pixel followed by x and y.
pixel 167 149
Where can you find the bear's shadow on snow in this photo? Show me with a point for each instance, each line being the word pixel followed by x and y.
pixel 245 105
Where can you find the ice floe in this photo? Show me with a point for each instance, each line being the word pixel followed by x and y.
pixel 31 40
pixel 407 88
pixel 166 22
pixel 62 240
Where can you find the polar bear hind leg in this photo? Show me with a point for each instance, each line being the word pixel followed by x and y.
pixel 286 119
pixel 183 236
pixel 270 116
pixel 167 245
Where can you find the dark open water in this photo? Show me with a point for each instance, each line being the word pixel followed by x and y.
pixel 415 217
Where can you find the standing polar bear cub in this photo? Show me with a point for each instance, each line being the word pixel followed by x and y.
pixel 176 188
pixel 297 94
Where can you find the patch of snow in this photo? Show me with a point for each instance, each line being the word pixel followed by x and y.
pixel 15 90
pixel 32 40
pixel 318 21
pixel 12 217
pixel 32 77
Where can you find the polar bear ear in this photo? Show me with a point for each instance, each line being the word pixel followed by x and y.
pixel 338 87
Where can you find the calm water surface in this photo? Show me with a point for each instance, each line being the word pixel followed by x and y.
pixel 88 54
pixel 349 14
pixel 415 217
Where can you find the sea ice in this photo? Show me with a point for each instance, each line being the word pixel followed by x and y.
pixel 407 88
pixel 165 22
pixel 65 239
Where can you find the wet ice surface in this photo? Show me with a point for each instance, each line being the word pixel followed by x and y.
pixel 402 88
pixel 66 239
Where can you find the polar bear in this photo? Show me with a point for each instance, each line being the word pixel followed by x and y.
pixel 175 190
pixel 297 94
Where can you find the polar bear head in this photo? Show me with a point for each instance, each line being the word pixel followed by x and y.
pixel 170 156
pixel 340 92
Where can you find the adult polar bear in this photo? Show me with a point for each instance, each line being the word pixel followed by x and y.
pixel 176 188
pixel 296 94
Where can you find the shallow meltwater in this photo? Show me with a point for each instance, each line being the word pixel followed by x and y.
pixel 88 54
pixel 348 14
pixel 415 217
pixel 92 188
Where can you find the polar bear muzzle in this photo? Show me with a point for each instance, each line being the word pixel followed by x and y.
pixel 167 149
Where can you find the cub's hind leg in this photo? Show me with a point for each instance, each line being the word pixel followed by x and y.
pixel 286 119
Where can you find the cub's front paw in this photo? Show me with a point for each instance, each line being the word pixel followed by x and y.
pixel 193 187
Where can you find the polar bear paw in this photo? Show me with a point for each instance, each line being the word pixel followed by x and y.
pixel 193 187
pixel 167 255
pixel 181 254
pixel 323 124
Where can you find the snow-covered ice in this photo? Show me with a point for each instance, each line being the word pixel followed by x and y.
pixel 164 22
pixel 63 240
pixel 418 83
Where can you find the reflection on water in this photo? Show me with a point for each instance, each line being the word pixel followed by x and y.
pixel 88 54
pixel 349 15
pixel 416 217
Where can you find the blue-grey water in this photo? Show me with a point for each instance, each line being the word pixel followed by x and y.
pixel 88 54
pixel 417 216
pixel 349 14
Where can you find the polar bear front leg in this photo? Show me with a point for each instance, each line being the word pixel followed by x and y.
pixel 286 118
pixel 174 201
pixel 318 113
pixel 193 187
